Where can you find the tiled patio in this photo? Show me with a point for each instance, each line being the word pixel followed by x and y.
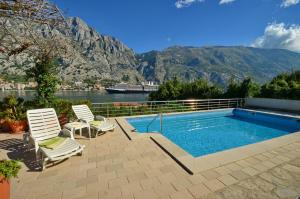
pixel 114 167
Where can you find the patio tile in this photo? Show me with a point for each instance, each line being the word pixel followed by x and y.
pixel 164 189
pixel 181 184
pixel 74 193
pixel 260 167
pixel 250 171
pixel 131 188
pixel 167 178
pixel 117 182
pixel 199 190
pixel 211 174
pixel 286 193
pixel 233 167
pixel 137 177
pixel 85 181
pixel 239 175
pixel 149 183
pixel 181 195
pixel 214 185
pixel 148 194
pixel 291 168
pixel 228 180
pixel 223 170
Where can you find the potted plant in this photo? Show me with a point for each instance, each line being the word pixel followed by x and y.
pixel 64 110
pixel 8 169
pixel 14 114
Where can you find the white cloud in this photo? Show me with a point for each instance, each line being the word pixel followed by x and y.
pixel 288 3
pixel 186 3
pixel 225 1
pixel 279 35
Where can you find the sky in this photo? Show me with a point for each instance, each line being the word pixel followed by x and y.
pixel 146 25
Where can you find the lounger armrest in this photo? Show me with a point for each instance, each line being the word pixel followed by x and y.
pixel 100 118
pixel 67 133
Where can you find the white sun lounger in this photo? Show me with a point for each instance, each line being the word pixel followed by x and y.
pixel 44 125
pixel 84 114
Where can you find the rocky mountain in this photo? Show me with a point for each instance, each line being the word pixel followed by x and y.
pixel 91 56
pixel 216 64
pixel 98 57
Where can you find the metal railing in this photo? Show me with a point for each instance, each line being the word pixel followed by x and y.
pixel 160 115
pixel 117 109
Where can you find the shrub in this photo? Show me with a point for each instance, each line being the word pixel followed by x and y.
pixel 13 108
pixel 9 168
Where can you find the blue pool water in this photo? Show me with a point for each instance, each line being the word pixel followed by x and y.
pixel 209 132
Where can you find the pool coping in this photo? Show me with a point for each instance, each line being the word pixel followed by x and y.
pixel 195 165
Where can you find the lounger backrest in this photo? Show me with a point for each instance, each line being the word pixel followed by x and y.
pixel 83 112
pixel 43 123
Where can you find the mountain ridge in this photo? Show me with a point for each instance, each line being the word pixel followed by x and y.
pixel 98 57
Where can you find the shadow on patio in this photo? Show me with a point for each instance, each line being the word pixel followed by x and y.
pixel 17 151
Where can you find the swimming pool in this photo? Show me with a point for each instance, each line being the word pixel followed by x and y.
pixel 204 133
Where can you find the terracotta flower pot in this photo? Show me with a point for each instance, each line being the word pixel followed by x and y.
pixel 4 188
pixel 5 126
pixel 63 119
pixel 17 126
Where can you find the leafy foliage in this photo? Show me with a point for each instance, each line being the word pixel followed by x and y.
pixel 13 108
pixel 9 168
pixel 284 86
pixel 44 73
pixel 175 90
pixel 247 88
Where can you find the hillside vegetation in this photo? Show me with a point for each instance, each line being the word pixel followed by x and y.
pixel 283 86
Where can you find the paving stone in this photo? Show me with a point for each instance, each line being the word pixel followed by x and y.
pixel 291 168
pixel 149 183
pixel 260 167
pixel 199 190
pixel 286 193
pixel 164 189
pixel 88 180
pixel 131 188
pixel 239 175
pixel 197 179
pixel 74 193
pixel 222 170
pixel 250 171
pixel 214 185
pixel 137 177
pixel 117 182
pixel 148 194
pixel 227 180
pixel 181 195
pixel 210 174
pixel 181 184
pixel 233 167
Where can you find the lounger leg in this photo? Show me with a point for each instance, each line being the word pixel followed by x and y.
pixel 42 162
pixel 89 131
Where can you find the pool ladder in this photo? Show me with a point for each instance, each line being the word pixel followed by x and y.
pixel 160 115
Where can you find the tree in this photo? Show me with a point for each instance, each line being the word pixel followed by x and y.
pixel 283 86
pixel 247 88
pixel 175 90
pixel 44 73
pixel 27 31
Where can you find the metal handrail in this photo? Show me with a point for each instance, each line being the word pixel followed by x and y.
pixel 152 121
pixel 117 109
